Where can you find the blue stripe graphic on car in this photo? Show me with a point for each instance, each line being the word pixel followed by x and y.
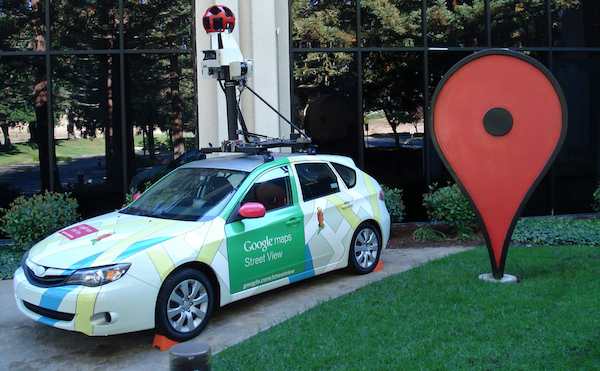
pixel 52 297
pixel 85 263
pixel 140 246
pixel 47 321
pixel 308 268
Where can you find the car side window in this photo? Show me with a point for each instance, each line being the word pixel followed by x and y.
pixel 272 189
pixel 347 174
pixel 316 180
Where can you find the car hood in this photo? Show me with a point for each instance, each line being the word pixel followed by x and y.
pixel 105 240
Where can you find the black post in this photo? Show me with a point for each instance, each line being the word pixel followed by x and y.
pixel 231 109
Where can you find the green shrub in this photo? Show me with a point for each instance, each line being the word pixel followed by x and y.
pixel 557 231
pixel 394 203
pixel 28 220
pixel 450 206
pixel 596 204
pixel 10 260
pixel 426 233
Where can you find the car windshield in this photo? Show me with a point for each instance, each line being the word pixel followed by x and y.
pixel 188 194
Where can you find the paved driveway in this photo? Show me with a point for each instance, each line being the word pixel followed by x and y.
pixel 28 345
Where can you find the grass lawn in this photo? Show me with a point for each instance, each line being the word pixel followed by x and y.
pixel 441 316
pixel 69 149
pixel 65 150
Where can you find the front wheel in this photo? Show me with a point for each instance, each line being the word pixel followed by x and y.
pixel 365 249
pixel 184 305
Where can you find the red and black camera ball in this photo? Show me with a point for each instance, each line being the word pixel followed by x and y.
pixel 498 119
pixel 218 18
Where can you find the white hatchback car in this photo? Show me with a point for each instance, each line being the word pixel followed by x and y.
pixel 209 233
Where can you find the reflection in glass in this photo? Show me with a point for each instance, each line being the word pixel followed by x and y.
pixel 323 24
pixel 85 25
pixel 576 23
pixel 22 25
pixel 161 93
pixel 162 24
pixel 325 101
pixel 393 87
pixel 457 23
pixel 519 24
pixel 19 171
pixel 576 166
pixel 391 23
pixel 317 74
pixel 82 111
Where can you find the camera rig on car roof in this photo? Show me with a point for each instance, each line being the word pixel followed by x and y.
pixel 225 63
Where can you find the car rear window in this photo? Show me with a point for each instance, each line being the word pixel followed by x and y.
pixel 347 174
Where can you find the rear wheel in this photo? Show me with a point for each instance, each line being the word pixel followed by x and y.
pixel 365 249
pixel 184 306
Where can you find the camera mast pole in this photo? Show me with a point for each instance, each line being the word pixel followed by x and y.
pixel 232 114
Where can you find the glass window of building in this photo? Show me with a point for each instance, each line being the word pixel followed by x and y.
pixel 94 94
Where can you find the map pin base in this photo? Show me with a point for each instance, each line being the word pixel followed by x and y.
pixel 507 278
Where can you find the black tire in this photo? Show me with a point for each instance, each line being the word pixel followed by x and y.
pixel 184 305
pixel 365 249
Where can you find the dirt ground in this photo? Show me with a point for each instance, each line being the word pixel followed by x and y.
pixel 401 237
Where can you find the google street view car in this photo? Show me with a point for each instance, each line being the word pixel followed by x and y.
pixel 209 233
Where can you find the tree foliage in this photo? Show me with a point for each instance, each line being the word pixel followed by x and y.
pixel 392 79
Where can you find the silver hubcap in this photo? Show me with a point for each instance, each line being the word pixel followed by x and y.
pixel 366 248
pixel 187 305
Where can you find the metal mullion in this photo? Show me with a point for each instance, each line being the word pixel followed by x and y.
pixel 488 22
pixel 124 154
pixel 92 52
pixel 550 38
pixel 195 64
pixel 50 119
pixel 551 172
pixel 291 61
pixel 426 141
pixel 359 87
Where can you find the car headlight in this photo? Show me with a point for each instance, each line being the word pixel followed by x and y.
pixel 98 276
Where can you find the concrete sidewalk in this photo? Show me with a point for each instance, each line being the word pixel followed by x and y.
pixel 28 345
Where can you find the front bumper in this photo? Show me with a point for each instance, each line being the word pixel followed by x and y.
pixel 118 307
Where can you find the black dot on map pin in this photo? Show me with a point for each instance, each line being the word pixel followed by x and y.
pixel 498 121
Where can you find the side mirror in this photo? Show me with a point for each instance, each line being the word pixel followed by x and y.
pixel 252 210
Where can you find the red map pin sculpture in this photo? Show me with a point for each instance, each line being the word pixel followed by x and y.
pixel 498 120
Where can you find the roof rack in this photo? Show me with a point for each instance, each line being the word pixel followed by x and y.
pixel 262 146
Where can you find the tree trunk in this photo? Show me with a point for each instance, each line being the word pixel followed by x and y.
pixel 40 132
pixel 112 130
pixel 7 143
pixel 177 123
pixel 396 138
pixel 394 125
pixel 150 140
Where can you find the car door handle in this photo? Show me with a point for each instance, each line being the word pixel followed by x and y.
pixel 346 205
pixel 293 221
